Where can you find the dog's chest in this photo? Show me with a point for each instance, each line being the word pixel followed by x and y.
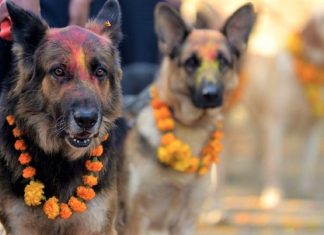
pixel 195 137
pixel 24 220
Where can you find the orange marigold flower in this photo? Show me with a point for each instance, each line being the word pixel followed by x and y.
pixel 85 193
pixel 65 211
pixel 94 166
pixel 33 193
pixel 167 138
pixel 29 172
pixel 51 208
pixel 16 132
pixel 194 163
pixel 20 145
pixel 218 134
pixel 90 180
pixel 162 113
pixel 166 124
pixel 77 205
pixel 10 119
pixel 24 158
pixel 97 152
pixel 156 104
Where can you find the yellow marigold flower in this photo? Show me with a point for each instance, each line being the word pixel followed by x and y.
pixel 85 193
pixel 181 165
pixel 203 170
pixel 65 211
pixel 90 180
pixel 163 155
pixel 51 208
pixel 10 119
pixel 77 205
pixel 34 193
pixel 97 152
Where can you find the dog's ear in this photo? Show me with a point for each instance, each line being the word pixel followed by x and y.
pixel 171 30
pixel 238 27
pixel 27 30
pixel 108 22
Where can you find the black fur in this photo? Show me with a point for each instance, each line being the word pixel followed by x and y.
pixel 60 176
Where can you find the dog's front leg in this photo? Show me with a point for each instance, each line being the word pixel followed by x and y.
pixel 186 228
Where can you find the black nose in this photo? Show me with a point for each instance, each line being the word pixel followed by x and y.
pixel 86 118
pixel 212 92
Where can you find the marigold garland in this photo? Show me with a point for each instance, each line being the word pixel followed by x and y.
pixel 173 152
pixel 310 75
pixel 34 191
pixel 51 208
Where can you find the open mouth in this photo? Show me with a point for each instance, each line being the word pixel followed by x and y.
pixel 80 141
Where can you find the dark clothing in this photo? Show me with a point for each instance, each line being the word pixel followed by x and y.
pixel 5 58
pixel 56 13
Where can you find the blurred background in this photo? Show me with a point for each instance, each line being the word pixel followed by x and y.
pixel 270 178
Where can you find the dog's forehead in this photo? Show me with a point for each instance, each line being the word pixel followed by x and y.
pixel 76 36
pixel 205 43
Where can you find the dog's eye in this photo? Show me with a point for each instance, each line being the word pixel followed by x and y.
pixel 100 72
pixel 58 72
pixel 192 64
pixel 223 62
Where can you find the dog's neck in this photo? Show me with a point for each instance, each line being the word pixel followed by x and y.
pixel 177 97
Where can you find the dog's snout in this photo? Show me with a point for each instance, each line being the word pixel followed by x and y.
pixel 208 95
pixel 86 118
pixel 212 92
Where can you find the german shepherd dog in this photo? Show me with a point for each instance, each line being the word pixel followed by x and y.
pixel 160 198
pixel 64 93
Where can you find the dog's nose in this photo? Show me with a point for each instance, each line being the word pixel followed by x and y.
pixel 212 92
pixel 86 118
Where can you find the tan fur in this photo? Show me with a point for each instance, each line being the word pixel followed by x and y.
pixel 277 101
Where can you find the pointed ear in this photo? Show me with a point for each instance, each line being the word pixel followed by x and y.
pixel 171 30
pixel 108 22
pixel 238 27
pixel 27 30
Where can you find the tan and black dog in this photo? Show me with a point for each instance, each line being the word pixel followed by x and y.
pixel 198 71
pixel 64 95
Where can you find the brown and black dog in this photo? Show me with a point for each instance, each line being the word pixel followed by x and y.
pixel 198 71
pixel 64 93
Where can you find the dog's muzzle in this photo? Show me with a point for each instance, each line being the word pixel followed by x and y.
pixel 208 95
pixel 84 124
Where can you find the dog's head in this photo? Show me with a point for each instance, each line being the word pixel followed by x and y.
pixel 68 86
pixel 313 38
pixel 203 61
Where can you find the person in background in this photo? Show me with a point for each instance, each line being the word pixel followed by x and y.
pixel 5 32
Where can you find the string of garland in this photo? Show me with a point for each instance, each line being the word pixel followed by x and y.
pixel 173 152
pixel 310 75
pixel 34 191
